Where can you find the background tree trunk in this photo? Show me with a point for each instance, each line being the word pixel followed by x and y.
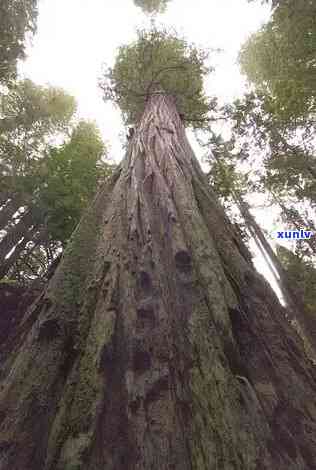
pixel 156 345
pixel 295 305
pixel 15 234
pixel 35 235
pixel 8 211
pixel 269 255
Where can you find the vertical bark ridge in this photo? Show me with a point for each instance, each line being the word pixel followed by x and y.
pixel 157 345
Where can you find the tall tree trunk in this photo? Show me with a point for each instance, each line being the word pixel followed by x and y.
pixel 268 253
pixel 15 234
pixel 156 345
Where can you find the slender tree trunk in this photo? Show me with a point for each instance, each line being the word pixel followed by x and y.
pixel 294 303
pixel 32 235
pixel 4 196
pixel 8 211
pixel 156 345
pixel 267 251
pixel 15 234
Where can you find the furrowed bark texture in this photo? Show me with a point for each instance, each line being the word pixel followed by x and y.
pixel 156 345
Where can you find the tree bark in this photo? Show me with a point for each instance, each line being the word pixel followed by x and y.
pixel 156 345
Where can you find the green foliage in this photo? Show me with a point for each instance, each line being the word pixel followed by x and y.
pixel 71 180
pixel 277 121
pixel 281 160
pixel 280 60
pixel 226 181
pixel 28 107
pixel 272 3
pixel 158 60
pixel 17 20
pixel 302 276
pixel 54 182
pixel 152 6
pixel 287 154
pixel 30 116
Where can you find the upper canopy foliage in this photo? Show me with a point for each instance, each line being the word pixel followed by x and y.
pixel 152 6
pixel 30 115
pixel 281 59
pixel 31 106
pixel 71 178
pixel 287 153
pixel 158 59
pixel 17 18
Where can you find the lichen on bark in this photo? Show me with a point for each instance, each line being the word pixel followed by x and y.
pixel 156 344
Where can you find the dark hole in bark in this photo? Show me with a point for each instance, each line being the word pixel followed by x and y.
pixel 107 357
pixel 145 317
pixel 234 360
pixel 186 411
pixel 159 387
pixel 141 361
pixel 273 448
pixel 49 330
pixel 46 305
pixel 145 281
pixel 70 357
pixel 183 261
pixel 5 446
pixel 237 321
pixel 147 313
pixel 106 268
pixel 238 355
pixel 114 300
pixel 242 400
pixel 2 416
pixel 134 405
pixel 123 460
pixel 249 278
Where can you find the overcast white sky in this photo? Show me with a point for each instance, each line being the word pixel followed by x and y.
pixel 75 37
